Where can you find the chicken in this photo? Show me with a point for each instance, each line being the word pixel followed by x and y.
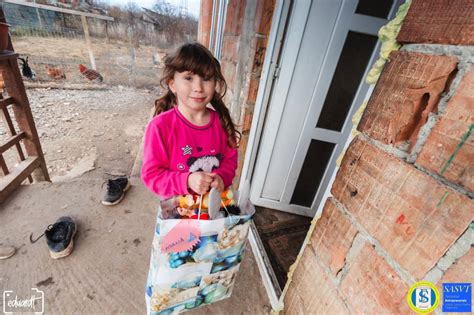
pixel 26 70
pixel 55 73
pixel 91 74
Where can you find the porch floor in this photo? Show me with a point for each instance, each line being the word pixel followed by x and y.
pixel 282 235
pixel 107 271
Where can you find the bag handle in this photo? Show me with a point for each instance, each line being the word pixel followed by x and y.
pixel 199 212
pixel 222 203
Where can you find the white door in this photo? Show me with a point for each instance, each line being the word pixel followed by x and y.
pixel 328 47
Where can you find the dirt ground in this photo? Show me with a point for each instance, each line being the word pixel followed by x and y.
pixel 82 125
pixel 95 131
pixel 106 273
pixel 117 61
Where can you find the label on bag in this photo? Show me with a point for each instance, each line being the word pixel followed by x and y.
pixel 183 236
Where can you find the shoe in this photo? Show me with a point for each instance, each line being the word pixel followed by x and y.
pixel 115 192
pixel 59 237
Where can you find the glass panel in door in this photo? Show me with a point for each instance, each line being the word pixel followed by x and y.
pixel 315 163
pixel 349 73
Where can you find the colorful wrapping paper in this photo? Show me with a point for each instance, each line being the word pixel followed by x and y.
pixel 204 274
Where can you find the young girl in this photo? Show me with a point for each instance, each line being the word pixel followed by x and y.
pixel 191 144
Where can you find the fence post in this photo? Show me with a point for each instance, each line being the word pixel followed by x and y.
pixel 131 78
pixel 88 41
pixel 107 31
pixel 39 16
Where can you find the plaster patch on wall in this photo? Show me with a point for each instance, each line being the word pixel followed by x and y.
pixel 462 245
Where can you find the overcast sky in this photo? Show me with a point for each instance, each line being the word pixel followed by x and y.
pixel 193 5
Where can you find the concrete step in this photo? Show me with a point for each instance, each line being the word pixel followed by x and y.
pixel 106 273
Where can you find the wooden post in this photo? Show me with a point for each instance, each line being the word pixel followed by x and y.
pixel 39 16
pixel 88 41
pixel 3 20
pixel 131 76
pixel 22 111
pixel 107 31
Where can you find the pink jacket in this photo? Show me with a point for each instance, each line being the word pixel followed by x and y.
pixel 174 148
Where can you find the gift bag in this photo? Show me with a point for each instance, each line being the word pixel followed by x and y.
pixel 194 262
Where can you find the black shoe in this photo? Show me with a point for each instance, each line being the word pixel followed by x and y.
pixel 116 189
pixel 59 237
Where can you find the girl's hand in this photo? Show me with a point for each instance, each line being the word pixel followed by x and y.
pixel 218 183
pixel 200 182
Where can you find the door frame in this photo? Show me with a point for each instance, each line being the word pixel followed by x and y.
pixel 330 22
pixel 270 71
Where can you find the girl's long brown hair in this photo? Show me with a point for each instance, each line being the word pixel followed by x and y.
pixel 197 59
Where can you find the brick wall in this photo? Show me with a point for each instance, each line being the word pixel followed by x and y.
pixel 402 206
pixel 205 22
pixel 243 49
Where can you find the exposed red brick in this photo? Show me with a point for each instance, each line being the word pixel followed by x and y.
pixel 332 237
pixel 461 270
pixel 260 49
pixel 263 16
pixel 449 150
pixel 439 21
pixel 228 71
pixel 407 91
pixel 372 287
pixel 253 90
pixel 205 21
pixel 247 122
pixel 312 291
pixel 230 48
pixel 414 217
pixel 235 17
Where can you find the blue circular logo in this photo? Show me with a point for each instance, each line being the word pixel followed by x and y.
pixel 423 297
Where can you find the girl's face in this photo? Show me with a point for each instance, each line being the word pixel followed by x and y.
pixel 192 91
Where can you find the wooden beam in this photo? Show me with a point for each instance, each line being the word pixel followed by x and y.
pixel 88 41
pixel 3 166
pixel 12 132
pixel 5 102
pixel 57 9
pixel 12 141
pixel 22 111
pixel 7 120
pixel 17 176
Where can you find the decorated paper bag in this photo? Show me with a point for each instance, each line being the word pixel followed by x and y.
pixel 195 262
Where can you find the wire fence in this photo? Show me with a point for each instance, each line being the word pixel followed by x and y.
pixel 120 54
pixel 53 45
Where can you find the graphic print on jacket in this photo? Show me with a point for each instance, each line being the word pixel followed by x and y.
pixel 205 163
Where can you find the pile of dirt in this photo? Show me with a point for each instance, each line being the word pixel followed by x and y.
pixel 81 131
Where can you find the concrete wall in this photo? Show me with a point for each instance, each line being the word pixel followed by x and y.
pixel 402 207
